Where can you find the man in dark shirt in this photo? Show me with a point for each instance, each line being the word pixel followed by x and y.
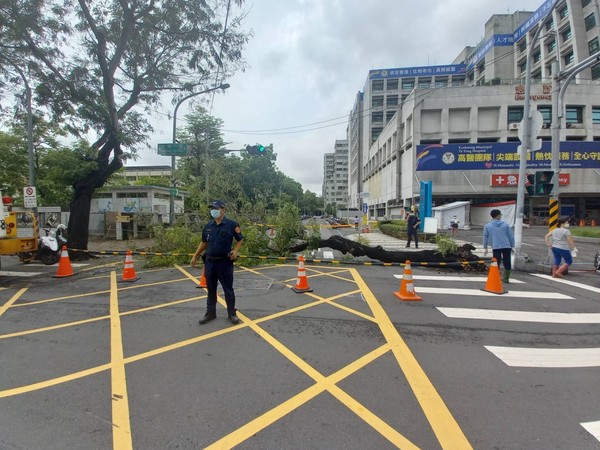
pixel 217 239
pixel 412 229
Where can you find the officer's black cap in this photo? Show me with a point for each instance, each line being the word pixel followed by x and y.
pixel 218 204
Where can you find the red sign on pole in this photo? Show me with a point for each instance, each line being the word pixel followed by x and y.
pixel 512 179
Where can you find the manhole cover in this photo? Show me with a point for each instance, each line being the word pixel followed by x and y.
pixel 243 283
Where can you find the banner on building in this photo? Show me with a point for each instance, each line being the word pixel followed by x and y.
pixel 504 155
pixel 512 179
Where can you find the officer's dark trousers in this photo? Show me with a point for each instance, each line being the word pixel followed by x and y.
pixel 412 234
pixel 219 270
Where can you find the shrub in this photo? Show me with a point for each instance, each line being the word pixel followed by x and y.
pixel 445 244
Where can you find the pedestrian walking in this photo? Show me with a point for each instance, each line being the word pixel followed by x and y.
pixel 454 225
pixel 499 235
pixel 412 228
pixel 217 239
pixel 562 245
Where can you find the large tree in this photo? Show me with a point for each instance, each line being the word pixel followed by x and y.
pixel 99 66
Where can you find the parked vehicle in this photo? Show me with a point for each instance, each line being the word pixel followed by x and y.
pixel 597 262
pixel 49 246
pixel 18 230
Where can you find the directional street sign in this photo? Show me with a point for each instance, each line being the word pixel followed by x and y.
pixel 173 149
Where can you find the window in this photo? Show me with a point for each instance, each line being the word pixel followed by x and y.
pixel 392 100
pixel 377 101
pixel 549 25
pixel 424 83
pixel 566 35
pixel 574 114
pixel 546 112
pixel 523 66
pixel 403 97
pixel 408 83
pixel 377 85
pixel 569 58
pixel 458 81
pixel 389 115
pixel 537 56
pixel 441 82
pixel 515 114
pixel 375 132
pixel 584 3
pixel 551 46
pixel 590 22
pixel 481 68
pixel 596 114
pixel 377 117
pixel 392 85
pixel 593 46
pixel 522 46
pixel 596 72
pixel 564 12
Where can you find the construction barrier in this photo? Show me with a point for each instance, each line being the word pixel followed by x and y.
pixel 407 287
pixel 64 265
pixel 301 280
pixel 128 269
pixel 494 282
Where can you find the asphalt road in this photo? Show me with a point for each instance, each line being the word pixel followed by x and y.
pixel 89 362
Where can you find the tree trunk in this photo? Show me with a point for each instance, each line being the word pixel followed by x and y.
pixel 463 254
pixel 79 220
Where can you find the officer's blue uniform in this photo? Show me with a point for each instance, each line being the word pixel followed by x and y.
pixel 218 266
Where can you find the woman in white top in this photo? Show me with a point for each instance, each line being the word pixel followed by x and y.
pixel 561 242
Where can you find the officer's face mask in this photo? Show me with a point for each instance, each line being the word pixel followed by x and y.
pixel 215 213
pixel 566 225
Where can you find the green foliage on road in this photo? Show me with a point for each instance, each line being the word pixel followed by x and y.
pixel 592 232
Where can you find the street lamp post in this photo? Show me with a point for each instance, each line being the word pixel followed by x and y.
pixel 173 184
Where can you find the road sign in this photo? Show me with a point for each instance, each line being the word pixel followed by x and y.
pixel 537 120
pixel 175 149
pixel 174 192
pixel 365 208
pixel 29 197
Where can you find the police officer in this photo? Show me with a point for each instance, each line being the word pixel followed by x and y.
pixel 217 238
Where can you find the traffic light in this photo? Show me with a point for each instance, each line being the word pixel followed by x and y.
pixel 530 185
pixel 543 182
pixel 256 150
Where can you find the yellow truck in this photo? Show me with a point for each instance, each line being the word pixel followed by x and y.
pixel 18 231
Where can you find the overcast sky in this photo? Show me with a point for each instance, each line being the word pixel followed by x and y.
pixel 309 58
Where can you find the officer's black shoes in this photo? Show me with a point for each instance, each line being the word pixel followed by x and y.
pixel 207 318
pixel 234 319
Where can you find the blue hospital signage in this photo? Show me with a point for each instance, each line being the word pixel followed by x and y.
pixel 449 69
pixel 534 19
pixel 493 156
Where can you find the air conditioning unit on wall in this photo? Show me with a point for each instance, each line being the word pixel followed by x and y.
pixel 513 126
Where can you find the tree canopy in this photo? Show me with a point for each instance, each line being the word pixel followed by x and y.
pixel 99 67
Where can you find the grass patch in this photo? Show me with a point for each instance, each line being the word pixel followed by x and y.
pixel 592 232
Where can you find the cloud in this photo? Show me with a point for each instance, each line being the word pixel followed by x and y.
pixel 309 58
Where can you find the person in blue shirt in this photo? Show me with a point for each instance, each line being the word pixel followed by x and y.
pixel 499 234
pixel 217 239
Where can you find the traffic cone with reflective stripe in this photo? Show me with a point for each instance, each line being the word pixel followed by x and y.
pixel 494 283
pixel 64 265
pixel 202 283
pixel 407 288
pixel 128 269
pixel 301 281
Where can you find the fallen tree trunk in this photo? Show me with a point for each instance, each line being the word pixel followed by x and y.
pixel 346 246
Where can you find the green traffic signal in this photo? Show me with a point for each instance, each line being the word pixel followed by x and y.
pixel 256 150
pixel 261 149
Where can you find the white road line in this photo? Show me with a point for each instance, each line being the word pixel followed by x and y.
pixel 593 428
pixel 478 292
pixel 568 282
pixel 454 278
pixel 327 254
pixel 7 273
pixel 56 265
pixel 547 357
pixel 520 316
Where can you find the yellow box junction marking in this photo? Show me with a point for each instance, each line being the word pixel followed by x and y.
pixel 445 427
pixel 12 300
pixel 120 401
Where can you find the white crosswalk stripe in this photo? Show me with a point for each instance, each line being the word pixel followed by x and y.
pixel 568 282
pixel 520 316
pixel 481 280
pixel 547 357
pixel 593 428
pixel 8 273
pixel 477 292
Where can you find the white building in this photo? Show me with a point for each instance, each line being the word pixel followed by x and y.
pixel 454 124
pixel 335 176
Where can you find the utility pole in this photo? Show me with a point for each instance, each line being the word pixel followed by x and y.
pixel 173 183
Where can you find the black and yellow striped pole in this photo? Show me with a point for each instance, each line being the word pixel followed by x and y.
pixel 553 211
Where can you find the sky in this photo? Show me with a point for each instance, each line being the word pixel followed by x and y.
pixel 308 59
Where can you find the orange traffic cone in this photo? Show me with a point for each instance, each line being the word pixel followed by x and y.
pixel 128 270
pixel 593 223
pixel 202 283
pixel 407 288
pixel 494 283
pixel 301 281
pixel 64 265
pixel 582 223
